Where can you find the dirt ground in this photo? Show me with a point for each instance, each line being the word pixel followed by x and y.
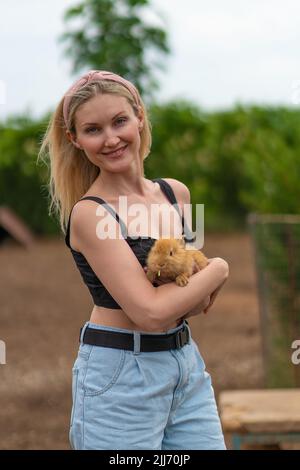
pixel 43 305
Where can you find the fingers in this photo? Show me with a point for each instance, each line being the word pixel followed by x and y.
pixel 213 298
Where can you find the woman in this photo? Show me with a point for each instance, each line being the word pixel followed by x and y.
pixel 139 381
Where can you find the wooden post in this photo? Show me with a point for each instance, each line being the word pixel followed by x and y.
pixel 12 224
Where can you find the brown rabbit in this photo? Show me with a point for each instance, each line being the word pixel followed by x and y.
pixel 168 260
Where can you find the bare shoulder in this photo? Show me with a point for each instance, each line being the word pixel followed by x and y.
pixel 84 212
pixel 181 191
pixel 84 218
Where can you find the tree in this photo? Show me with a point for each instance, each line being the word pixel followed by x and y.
pixel 112 36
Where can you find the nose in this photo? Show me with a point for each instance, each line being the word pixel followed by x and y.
pixel 160 266
pixel 111 140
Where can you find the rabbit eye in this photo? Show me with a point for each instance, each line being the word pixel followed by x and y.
pixel 171 253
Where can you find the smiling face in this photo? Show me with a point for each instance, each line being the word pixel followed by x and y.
pixel 108 130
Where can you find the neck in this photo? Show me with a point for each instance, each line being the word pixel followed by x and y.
pixel 122 184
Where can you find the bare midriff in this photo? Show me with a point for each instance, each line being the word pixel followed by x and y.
pixel 117 318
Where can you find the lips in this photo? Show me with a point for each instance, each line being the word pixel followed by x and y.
pixel 116 153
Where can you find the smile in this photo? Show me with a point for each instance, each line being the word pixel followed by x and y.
pixel 116 153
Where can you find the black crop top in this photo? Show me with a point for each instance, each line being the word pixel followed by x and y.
pixel 139 245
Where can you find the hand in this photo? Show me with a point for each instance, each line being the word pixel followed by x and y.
pixel 213 297
pixel 198 309
pixel 208 302
pixel 215 293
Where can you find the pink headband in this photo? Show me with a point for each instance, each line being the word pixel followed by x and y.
pixel 96 75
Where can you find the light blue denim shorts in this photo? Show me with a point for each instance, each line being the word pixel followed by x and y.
pixel 142 400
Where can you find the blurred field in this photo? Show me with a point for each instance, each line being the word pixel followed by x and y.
pixel 43 305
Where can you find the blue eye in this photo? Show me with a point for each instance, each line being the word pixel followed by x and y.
pixel 89 129
pixel 121 120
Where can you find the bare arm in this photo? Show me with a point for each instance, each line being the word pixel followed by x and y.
pixel 183 197
pixel 172 302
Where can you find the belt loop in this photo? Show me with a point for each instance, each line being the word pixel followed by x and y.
pixel 82 331
pixel 136 342
pixel 189 330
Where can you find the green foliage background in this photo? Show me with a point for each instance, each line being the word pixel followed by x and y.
pixel 114 35
pixel 237 161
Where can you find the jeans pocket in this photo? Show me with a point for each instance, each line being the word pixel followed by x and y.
pixel 103 369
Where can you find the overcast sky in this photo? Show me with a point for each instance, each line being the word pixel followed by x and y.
pixel 223 52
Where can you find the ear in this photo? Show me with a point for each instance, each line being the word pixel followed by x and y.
pixel 140 117
pixel 72 139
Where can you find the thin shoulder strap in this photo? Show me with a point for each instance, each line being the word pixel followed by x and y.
pixel 168 191
pixel 107 207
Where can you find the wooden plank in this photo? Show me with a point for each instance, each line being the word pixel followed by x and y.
pixel 15 227
pixel 259 411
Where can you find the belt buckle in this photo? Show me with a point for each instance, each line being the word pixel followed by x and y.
pixel 182 337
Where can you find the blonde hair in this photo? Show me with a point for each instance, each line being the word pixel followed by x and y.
pixel 71 173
